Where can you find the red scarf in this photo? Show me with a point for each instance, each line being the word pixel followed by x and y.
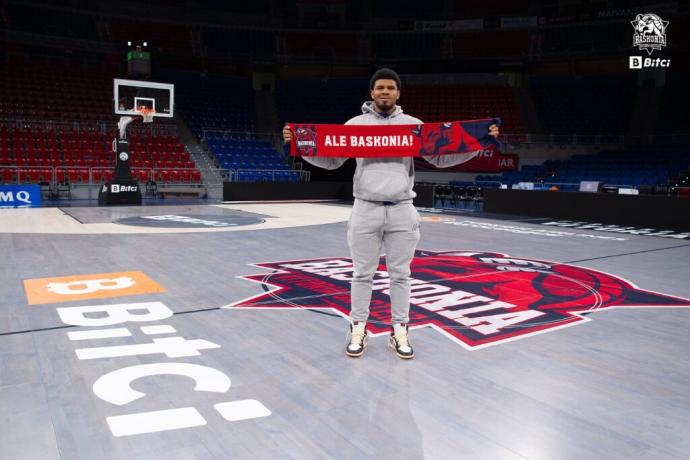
pixel 376 141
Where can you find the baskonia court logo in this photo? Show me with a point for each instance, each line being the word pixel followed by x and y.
pixel 476 299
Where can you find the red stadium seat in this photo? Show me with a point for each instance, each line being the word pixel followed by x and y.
pixel 8 175
pixel 33 176
pixel 73 175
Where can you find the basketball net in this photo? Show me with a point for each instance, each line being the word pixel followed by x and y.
pixel 146 113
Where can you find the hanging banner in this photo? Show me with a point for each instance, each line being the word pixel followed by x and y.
pixel 488 160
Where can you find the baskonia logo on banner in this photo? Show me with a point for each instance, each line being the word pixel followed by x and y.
pixel 650 35
pixel 305 137
pixel 476 299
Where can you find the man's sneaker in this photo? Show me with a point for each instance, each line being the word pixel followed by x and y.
pixel 357 339
pixel 400 342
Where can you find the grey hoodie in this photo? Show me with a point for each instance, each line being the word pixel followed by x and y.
pixel 391 178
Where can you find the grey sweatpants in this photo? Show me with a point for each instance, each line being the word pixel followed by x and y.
pixel 394 227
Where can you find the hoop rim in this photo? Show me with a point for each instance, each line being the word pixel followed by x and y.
pixel 146 113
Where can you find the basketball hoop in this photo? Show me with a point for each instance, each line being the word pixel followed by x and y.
pixel 146 113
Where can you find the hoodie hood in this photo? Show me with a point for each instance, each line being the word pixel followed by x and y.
pixel 368 108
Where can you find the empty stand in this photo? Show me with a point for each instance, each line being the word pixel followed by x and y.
pixel 60 22
pixel 406 46
pixel 434 103
pixel 594 104
pixel 482 44
pixel 81 156
pixel 222 42
pixel 221 111
pixel 675 105
pixel 213 101
pixel 252 160
pixel 337 100
pixel 57 125
pixel 632 166
pixel 56 90
pixel 321 101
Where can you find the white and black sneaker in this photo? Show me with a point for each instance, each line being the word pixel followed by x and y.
pixel 400 341
pixel 357 339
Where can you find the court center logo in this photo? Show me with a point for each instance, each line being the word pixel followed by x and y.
pixel 650 35
pixel 476 299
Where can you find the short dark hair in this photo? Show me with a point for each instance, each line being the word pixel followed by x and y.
pixel 384 74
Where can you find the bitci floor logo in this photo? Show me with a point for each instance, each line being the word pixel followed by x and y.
pixel 476 299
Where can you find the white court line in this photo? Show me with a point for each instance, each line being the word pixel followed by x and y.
pixel 285 215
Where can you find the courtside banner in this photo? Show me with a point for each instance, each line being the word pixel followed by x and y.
pixel 20 196
pixel 367 141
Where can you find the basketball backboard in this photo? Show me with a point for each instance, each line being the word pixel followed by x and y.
pixel 128 95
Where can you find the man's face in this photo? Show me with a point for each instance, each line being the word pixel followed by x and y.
pixel 385 94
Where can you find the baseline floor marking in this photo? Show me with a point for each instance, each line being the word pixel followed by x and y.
pixel 72 216
pixel 627 254
pixel 68 326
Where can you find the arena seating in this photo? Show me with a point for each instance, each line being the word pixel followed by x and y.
pixel 56 90
pixel 213 101
pixel 221 42
pixel 321 101
pixel 416 10
pixel 337 100
pixel 220 110
pixel 559 103
pixel 458 195
pixel 62 121
pixel 163 38
pixel 633 166
pixel 580 38
pixel 463 102
pixel 489 43
pixel 257 6
pixel 407 46
pixel 482 8
pixel 674 115
pixel 326 46
pixel 31 155
pixel 254 160
pixel 58 22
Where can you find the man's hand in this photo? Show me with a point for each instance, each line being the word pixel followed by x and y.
pixel 287 134
pixel 493 131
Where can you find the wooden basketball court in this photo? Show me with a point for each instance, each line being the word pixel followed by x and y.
pixel 218 331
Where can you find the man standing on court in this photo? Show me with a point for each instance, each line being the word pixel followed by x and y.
pixel 383 215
